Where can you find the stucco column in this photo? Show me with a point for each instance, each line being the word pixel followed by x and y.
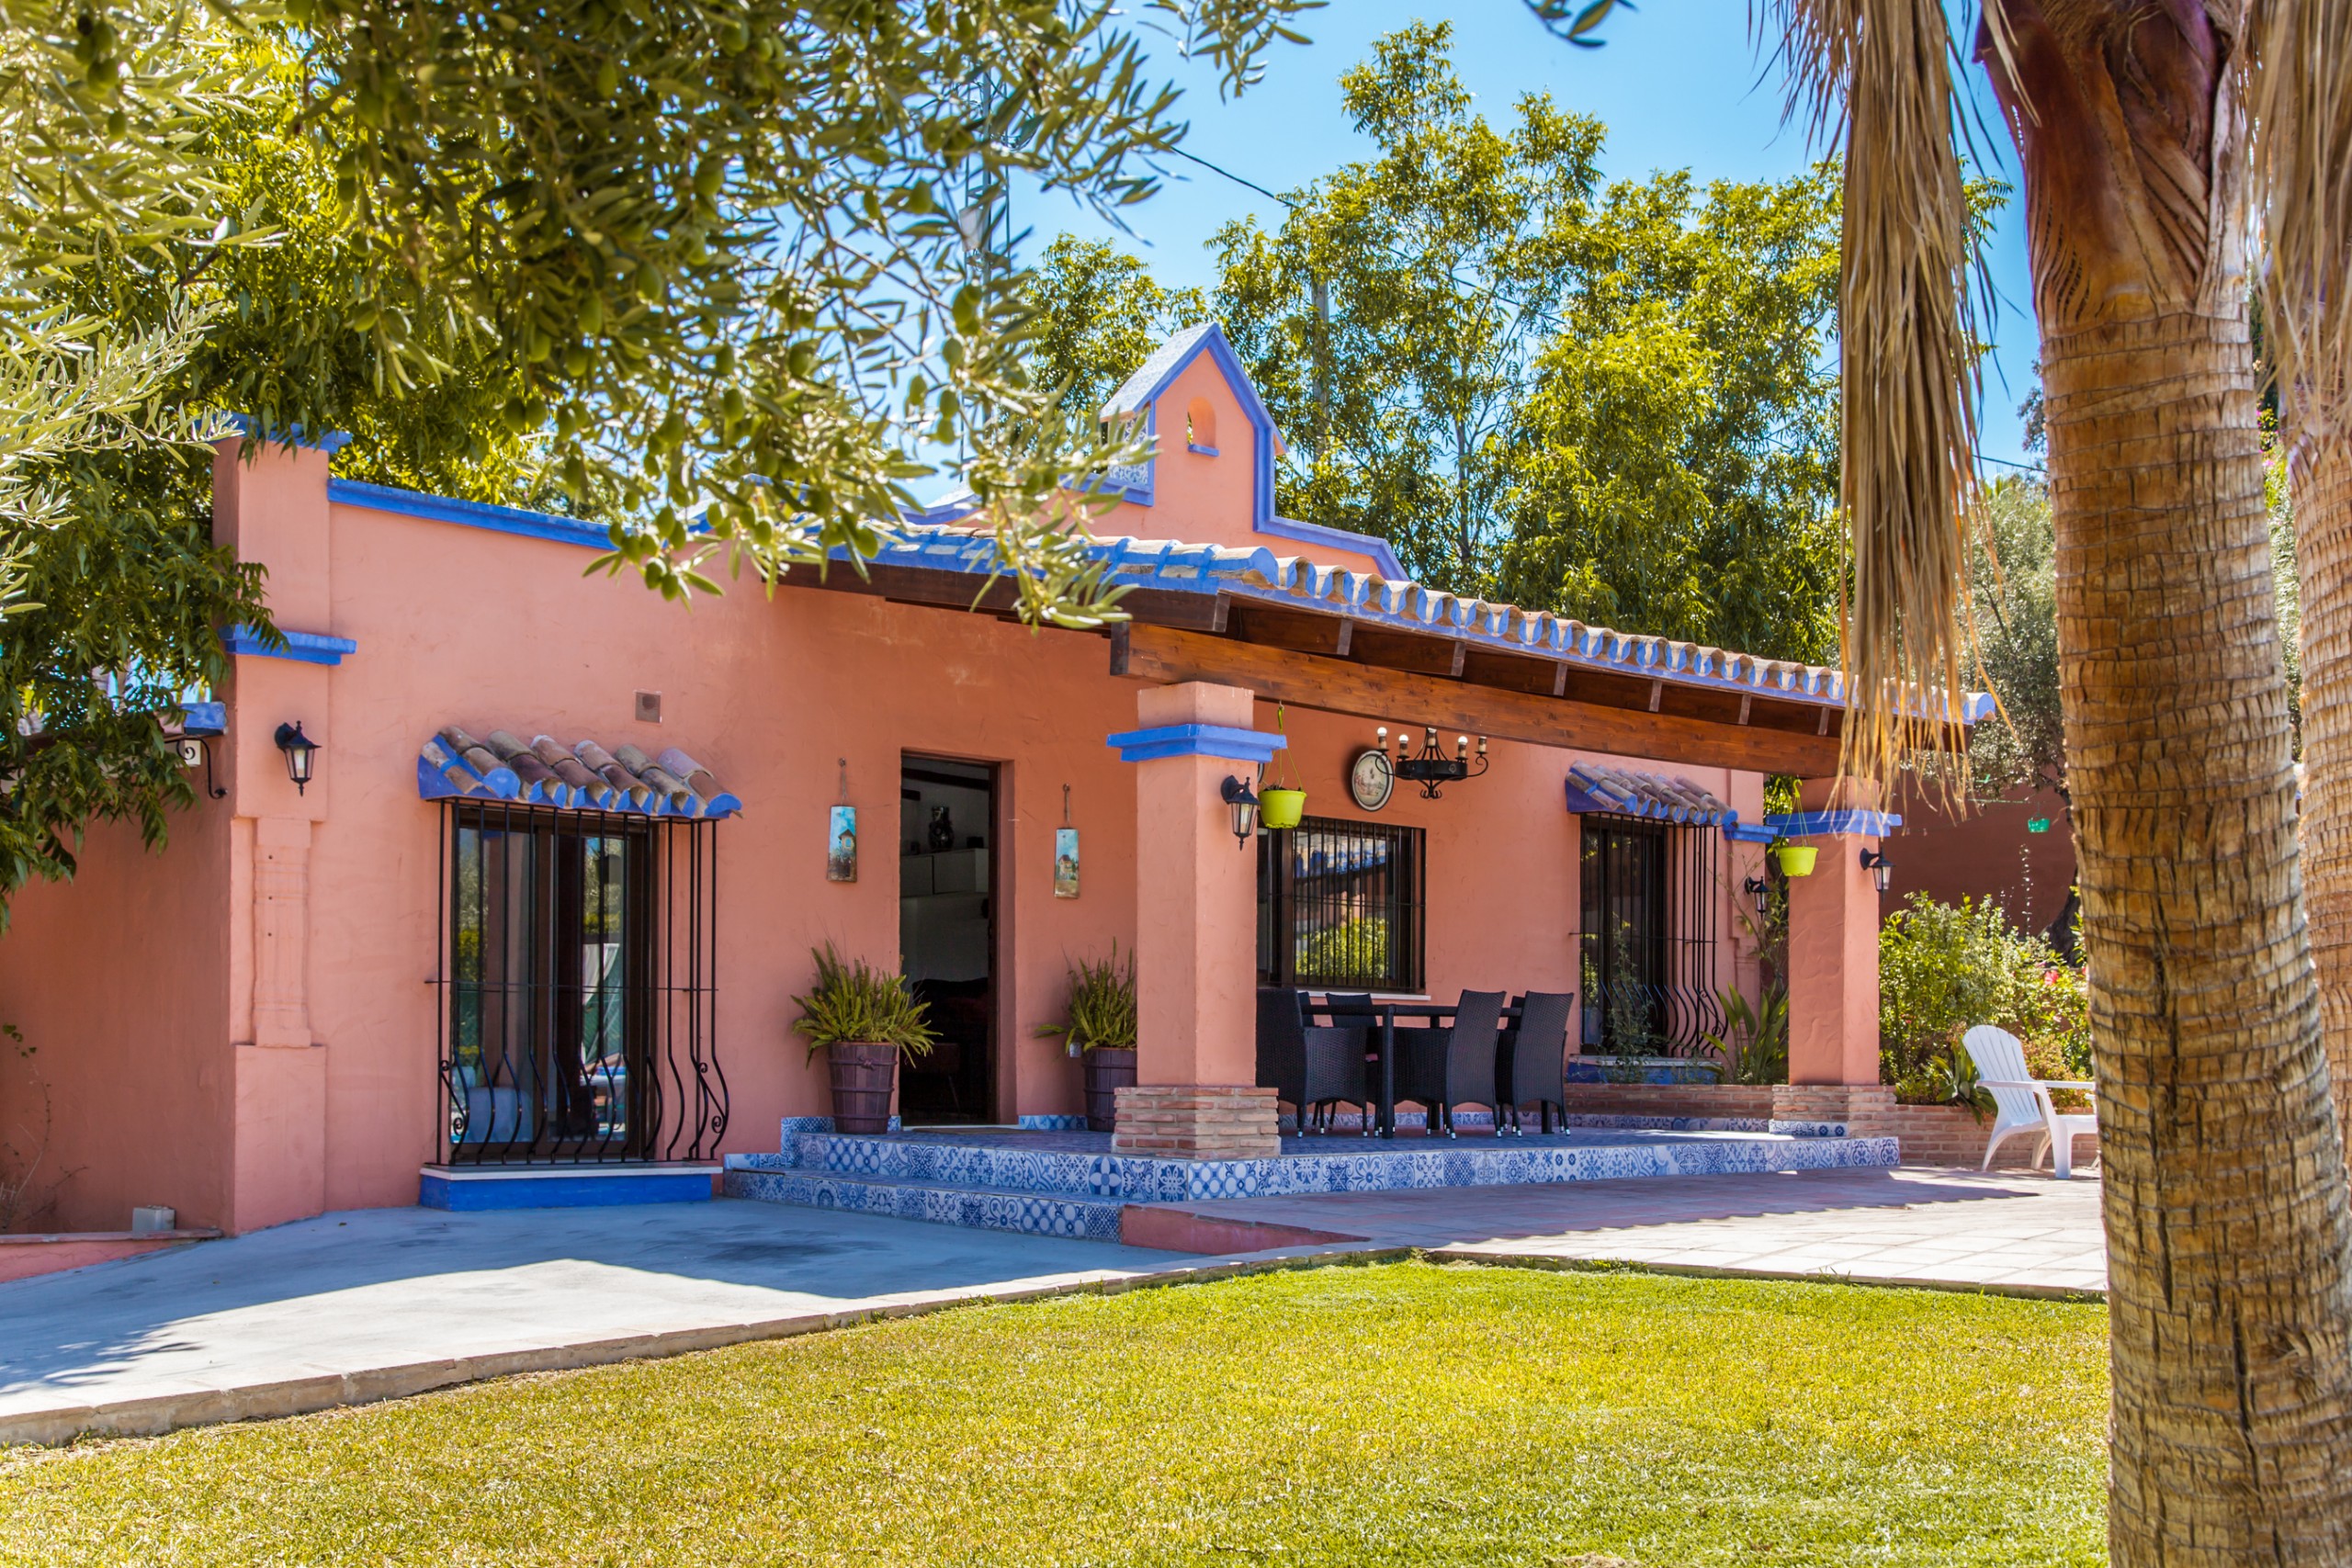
pixel 1833 960
pixel 272 509
pixel 1196 953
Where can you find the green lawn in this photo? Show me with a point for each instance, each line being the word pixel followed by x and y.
pixel 1396 1414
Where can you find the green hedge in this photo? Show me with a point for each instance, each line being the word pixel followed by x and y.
pixel 1943 968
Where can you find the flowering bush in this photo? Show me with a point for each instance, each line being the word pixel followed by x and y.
pixel 1944 969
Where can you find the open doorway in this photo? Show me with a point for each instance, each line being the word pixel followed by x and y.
pixel 947 934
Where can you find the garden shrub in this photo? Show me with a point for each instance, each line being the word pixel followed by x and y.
pixel 1944 969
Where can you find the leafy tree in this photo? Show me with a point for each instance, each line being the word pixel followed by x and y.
pixel 1392 321
pixel 1099 315
pixel 1674 464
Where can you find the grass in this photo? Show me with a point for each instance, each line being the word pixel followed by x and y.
pixel 1398 1413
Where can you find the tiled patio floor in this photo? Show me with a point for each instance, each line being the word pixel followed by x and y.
pixel 2012 1230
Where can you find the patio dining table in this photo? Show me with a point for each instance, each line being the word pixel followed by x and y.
pixel 1383 1035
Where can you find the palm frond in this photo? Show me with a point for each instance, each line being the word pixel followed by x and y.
pixel 1878 77
pixel 2299 96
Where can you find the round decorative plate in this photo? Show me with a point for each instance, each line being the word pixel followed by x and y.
pixel 1370 778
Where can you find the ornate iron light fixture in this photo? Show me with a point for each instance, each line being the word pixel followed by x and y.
pixel 302 754
pixel 1881 869
pixel 1244 801
pixel 1431 768
pixel 1761 891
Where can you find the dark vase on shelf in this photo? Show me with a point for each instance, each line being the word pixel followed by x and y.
pixel 943 829
pixel 1109 1069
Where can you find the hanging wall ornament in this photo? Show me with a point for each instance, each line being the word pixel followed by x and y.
pixel 1065 853
pixel 840 835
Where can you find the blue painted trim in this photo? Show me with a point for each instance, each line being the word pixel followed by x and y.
pixel 1383 558
pixel 1199 451
pixel 489 1188
pixel 204 718
pixel 1196 740
pixel 304 647
pixel 1825 823
pixel 1144 488
pixel 471 513
pixel 1740 832
pixel 334 441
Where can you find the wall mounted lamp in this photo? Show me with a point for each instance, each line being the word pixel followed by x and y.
pixel 1881 869
pixel 1244 801
pixel 1431 768
pixel 1761 891
pixel 302 754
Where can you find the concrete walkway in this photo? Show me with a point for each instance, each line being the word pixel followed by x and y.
pixel 2011 1231
pixel 377 1304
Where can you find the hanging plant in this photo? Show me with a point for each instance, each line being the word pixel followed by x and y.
pixel 1280 804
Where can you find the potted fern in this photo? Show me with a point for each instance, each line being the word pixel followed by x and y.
pixel 1098 1026
pixel 866 1020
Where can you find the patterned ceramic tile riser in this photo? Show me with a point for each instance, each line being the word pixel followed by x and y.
pixel 1598 1155
pixel 1032 1212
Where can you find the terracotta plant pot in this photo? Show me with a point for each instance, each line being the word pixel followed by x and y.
pixel 1796 860
pixel 1109 1069
pixel 863 1076
pixel 1279 808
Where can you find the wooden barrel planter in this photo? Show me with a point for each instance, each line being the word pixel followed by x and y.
pixel 863 1079
pixel 1109 1069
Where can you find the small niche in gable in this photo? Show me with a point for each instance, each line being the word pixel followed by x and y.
pixel 1200 427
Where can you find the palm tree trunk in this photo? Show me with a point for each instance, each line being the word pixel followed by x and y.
pixel 2319 475
pixel 2230 1247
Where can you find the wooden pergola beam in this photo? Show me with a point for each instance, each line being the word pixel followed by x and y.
pixel 1397 697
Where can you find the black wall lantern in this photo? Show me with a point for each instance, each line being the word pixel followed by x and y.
pixel 1761 891
pixel 302 754
pixel 1244 801
pixel 1881 869
pixel 1431 768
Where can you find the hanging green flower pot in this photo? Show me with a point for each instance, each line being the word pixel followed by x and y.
pixel 1279 808
pixel 1796 860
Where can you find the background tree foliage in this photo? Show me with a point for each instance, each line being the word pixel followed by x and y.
pixel 1614 402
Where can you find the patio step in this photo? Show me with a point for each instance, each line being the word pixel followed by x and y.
pixel 977 1208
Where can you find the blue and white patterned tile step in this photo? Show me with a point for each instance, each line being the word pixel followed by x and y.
pixel 1081 1166
pixel 1032 1213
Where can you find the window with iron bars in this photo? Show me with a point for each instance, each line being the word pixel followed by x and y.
pixel 579 996
pixel 1339 906
pixel 1651 905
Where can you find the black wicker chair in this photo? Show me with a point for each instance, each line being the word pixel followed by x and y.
pixel 1305 1064
pixel 1352 1009
pixel 1441 1068
pixel 1532 1066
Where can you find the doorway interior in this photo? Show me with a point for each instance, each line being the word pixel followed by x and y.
pixel 947 836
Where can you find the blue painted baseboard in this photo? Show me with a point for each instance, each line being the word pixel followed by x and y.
pixel 468 1189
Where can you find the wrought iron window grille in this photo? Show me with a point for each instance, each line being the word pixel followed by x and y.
pixel 1340 907
pixel 577 1022
pixel 1653 902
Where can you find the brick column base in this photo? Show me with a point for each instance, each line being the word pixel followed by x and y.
pixel 1197 1121
pixel 1868 1110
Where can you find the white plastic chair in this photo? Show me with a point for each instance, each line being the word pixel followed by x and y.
pixel 2022 1102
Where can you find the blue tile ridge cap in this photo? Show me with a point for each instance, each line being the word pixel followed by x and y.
pixel 1823 823
pixel 1196 740
pixel 306 648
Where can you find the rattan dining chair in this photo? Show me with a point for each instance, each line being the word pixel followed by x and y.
pixel 1441 1068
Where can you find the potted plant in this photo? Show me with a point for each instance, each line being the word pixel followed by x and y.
pixel 1795 860
pixel 1099 1027
pixel 866 1020
pixel 1280 805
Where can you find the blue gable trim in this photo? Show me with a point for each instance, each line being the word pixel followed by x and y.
pixel 306 648
pixel 1196 740
pixel 1383 558
pixel 1823 823
pixel 471 513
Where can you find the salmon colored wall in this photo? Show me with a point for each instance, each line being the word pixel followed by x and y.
pixel 119 982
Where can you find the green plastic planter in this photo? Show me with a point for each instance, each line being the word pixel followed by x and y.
pixel 1796 860
pixel 1279 808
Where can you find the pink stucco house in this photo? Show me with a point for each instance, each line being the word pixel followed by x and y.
pixel 546 899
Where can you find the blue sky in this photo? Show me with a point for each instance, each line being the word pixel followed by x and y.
pixel 1679 86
